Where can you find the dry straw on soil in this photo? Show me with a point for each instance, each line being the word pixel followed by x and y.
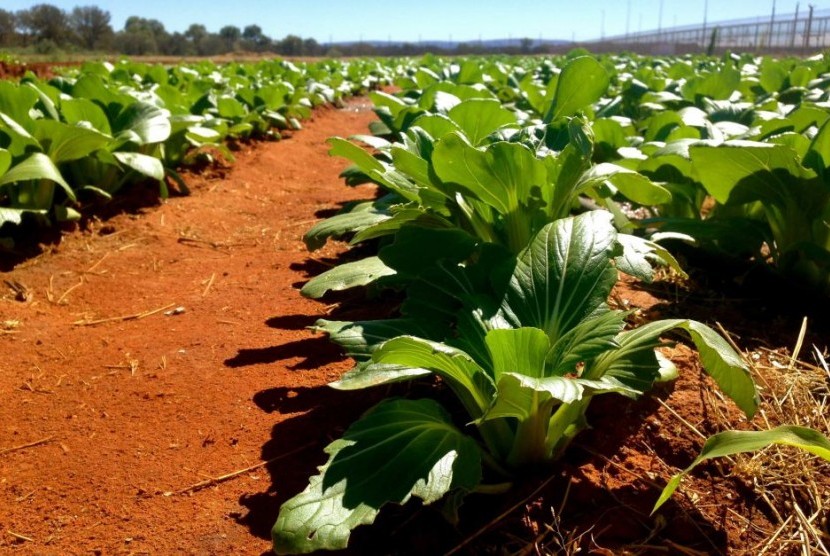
pixel 792 483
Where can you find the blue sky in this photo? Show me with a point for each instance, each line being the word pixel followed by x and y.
pixel 409 20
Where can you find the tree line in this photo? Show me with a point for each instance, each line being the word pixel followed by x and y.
pixel 45 28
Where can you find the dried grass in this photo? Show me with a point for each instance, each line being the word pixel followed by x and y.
pixel 794 485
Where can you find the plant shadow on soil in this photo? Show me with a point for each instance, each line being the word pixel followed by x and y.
pixel 33 237
pixel 758 308
pixel 616 512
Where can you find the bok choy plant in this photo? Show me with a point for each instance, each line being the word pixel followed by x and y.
pixel 772 200
pixel 500 193
pixel 524 365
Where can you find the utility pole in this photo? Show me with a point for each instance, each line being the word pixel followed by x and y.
pixel 771 24
pixel 705 21
pixel 628 21
pixel 795 26
pixel 602 27
pixel 660 20
pixel 639 27
pixel 809 27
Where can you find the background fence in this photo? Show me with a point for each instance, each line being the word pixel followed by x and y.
pixel 802 32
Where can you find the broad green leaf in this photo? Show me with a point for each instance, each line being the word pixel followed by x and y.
pixel 15 216
pixel 372 141
pixel 199 135
pixel 443 102
pixel 379 98
pixel 739 173
pixel 564 275
pixel 638 188
pixel 478 118
pixel 610 133
pixel 466 377
pixel 66 214
pixel 818 155
pixel 773 74
pixel 718 85
pixel 95 191
pixel 93 87
pixel 632 185
pixel 37 167
pixel 800 76
pixel 582 82
pixel 360 338
pixel 737 442
pixel 639 254
pixel 518 350
pixel 345 276
pixel 635 365
pixel 724 365
pixel 437 125
pixel 143 164
pixel 149 123
pixel 77 110
pixel 17 101
pixel 377 374
pixel 5 161
pixel 583 342
pixel 412 165
pixel 441 291
pixel 230 108
pixel 348 150
pixel 503 175
pixel 520 396
pixel 400 216
pixel 360 217
pixel 399 449
pixel 243 129
pixel 21 141
pixel 661 124
pixel 64 142
pixel 47 102
pixel 806 115
pixel 417 249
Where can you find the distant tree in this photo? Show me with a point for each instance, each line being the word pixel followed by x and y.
pixel 8 25
pixel 312 48
pixel 211 45
pixel 45 22
pixel 253 39
pixel 196 34
pixel 231 35
pixel 141 36
pixel 252 32
pixel 291 45
pixel 92 27
pixel 525 45
pixel 177 45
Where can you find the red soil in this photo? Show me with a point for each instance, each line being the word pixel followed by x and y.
pixel 137 410
pixel 117 416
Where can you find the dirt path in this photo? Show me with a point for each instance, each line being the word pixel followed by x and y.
pixel 116 417
pixel 103 427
